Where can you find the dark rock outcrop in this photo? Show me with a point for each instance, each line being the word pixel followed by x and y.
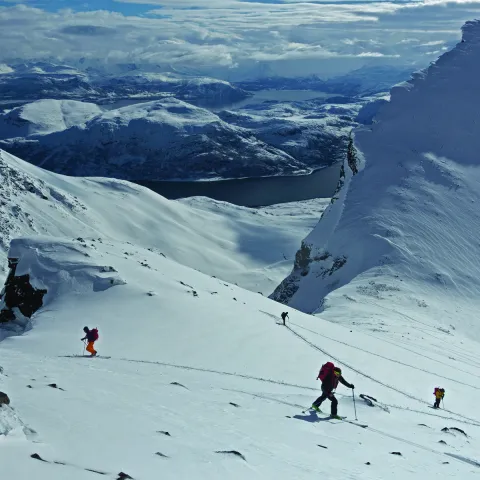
pixel 4 400
pixel 19 293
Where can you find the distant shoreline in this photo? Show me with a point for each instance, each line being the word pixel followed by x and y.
pixel 253 192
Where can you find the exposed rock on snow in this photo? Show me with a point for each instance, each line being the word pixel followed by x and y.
pixel 32 256
pixel 4 400
pixel 19 293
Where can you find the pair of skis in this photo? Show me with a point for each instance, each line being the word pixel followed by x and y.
pixel 85 356
pixel 338 417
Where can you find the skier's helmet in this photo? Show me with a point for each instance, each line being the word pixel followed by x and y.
pixel 85 329
pixel 337 371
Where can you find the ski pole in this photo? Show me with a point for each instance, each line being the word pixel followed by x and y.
pixel 443 404
pixel 354 406
pixel 84 346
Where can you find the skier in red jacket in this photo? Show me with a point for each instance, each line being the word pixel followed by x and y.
pixel 330 377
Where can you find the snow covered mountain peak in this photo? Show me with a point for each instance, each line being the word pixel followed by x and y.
pixel 406 228
pixel 158 140
pixel 170 111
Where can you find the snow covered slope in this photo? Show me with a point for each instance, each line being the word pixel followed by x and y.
pixel 404 232
pixel 203 383
pixel 45 116
pixel 163 140
pixel 251 247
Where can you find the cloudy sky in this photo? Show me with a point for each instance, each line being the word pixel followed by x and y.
pixel 233 39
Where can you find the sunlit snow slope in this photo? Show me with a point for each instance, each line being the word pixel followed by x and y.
pixel 404 233
pixel 251 247
pixel 201 369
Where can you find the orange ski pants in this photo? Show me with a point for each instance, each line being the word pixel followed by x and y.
pixel 90 348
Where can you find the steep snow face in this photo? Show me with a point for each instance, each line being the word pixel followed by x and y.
pixel 162 140
pixel 406 227
pixel 251 247
pixel 45 116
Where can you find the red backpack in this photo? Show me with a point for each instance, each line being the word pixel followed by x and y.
pixel 94 334
pixel 325 371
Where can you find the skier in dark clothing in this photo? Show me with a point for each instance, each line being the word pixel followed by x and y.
pixel 91 336
pixel 330 376
pixel 284 316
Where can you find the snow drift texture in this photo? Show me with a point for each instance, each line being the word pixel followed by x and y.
pixel 251 247
pixel 408 222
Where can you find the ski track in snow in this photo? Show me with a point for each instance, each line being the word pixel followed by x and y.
pixel 363 374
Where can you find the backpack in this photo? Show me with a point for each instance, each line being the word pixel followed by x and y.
pixel 325 371
pixel 94 334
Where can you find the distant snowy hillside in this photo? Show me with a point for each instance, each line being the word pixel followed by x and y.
pixel 367 80
pixel 251 247
pixel 313 132
pixel 162 140
pixel 405 230
pixel 38 80
pixel 45 116
pixel 44 80
pixel 203 90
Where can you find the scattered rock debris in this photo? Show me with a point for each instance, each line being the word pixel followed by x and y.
pixel 178 384
pixel 232 452
pixel 123 476
pixel 396 453
pixel 322 446
pixel 160 454
pixel 164 433
pixel 234 405
pixel 54 385
pixel 36 456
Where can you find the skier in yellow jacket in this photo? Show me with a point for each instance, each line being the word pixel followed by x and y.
pixel 439 394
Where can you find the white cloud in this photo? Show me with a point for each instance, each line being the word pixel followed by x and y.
pixel 233 38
